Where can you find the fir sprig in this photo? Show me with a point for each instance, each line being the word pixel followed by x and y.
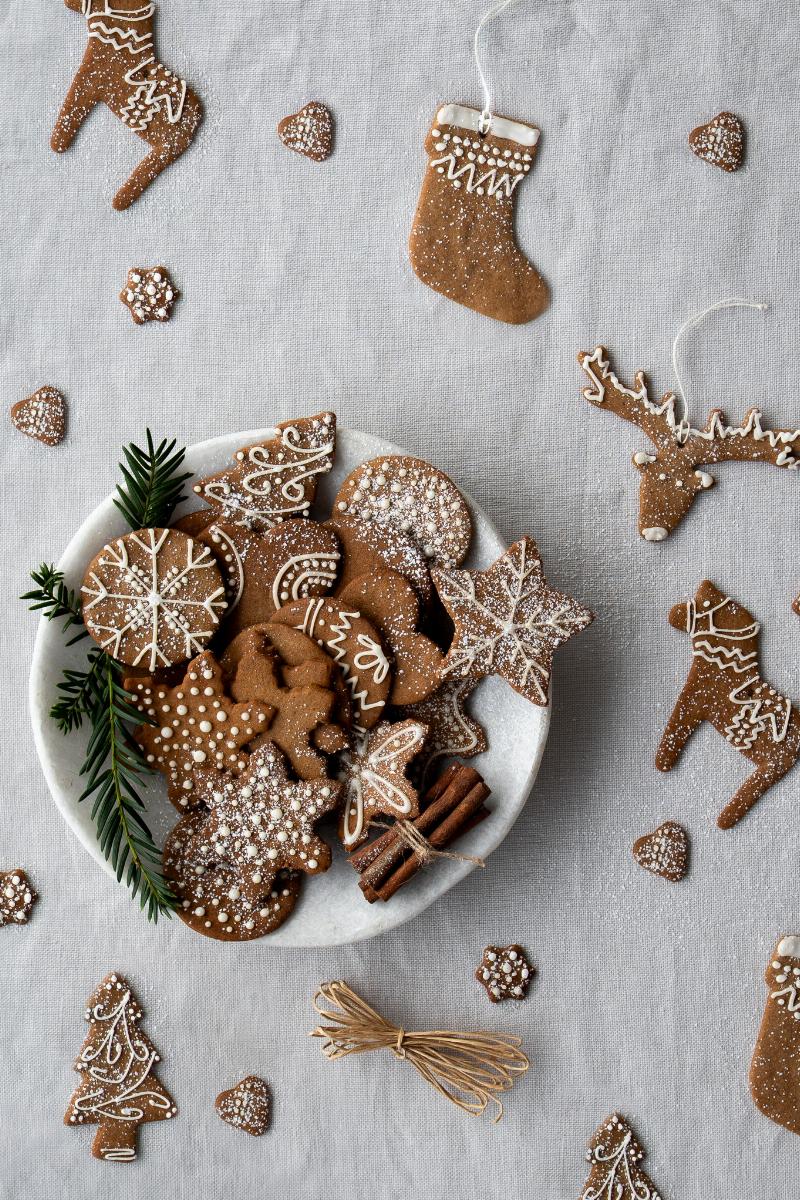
pixel 55 601
pixel 152 487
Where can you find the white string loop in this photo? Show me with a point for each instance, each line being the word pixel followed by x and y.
pixel 485 121
pixel 692 323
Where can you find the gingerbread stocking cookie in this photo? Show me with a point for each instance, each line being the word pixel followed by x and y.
pixel 775 1069
pixel 462 242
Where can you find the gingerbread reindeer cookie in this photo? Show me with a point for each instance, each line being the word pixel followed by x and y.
pixel 725 688
pixel 120 69
pixel 672 472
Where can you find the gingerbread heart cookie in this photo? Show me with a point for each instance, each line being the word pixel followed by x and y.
pixel 309 132
pixel 367 549
pixel 390 603
pixel 153 598
pixel 353 643
pixel 292 561
pixel 195 724
pixel 274 480
pixel 374 776
pixel 416 499
pixel 42 416
pixel 664 852
pixel 215 899
pixel 246 1106
pixel 720 142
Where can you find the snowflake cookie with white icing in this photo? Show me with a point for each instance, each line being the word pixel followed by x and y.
pixel 505 973
pixel 153 598
pixel 149 294
pixel 413 497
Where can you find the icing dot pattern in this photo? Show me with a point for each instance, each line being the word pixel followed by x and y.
pixel 505 973
pixel 309 132
pixel 17 898
pixel 149 294
pixel 246 1106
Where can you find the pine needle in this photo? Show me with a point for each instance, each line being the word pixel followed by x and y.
pixel 152 487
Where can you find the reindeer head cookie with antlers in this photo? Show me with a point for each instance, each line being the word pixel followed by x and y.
pixel 672 474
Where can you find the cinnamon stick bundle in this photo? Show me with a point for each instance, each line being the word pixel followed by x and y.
pixel 452 806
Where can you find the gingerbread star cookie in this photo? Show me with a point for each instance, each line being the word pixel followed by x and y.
pixel 664 852
pixel 261 821
pixel 505 973
pixel 274 480
pixel 720 142
pixel 413 497
pixel 195 724
pixel 615 1171
pixel 368 549
pixel 42 416
pixel 390 603
pixel 452 732
pixel 17 897
pixel 217 899
pixel 508 621
pixel 149 294
pixel 153 598
pixel 374 775
pixel 309 132
pixel 246 1106
pixel 353 643
pixel 262 572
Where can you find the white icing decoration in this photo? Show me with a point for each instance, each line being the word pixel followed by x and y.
pixel 501 127
pixel 789 947
pixel 392 753
pixel 619 1183
pixel 335 637
pixel 765 712
pixel 290 583
pixel 701 627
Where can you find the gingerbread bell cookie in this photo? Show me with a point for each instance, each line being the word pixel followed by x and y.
pixel 672 470
pixel 309 132
pixel 664 852
pixel 149 294
pixel 725 688
pixel 42 416
pixel 374 776
pixel 505 973
pixel 153 598
pixel 17 897
pixel 508 621
pixel 775 1068
pixel 274 480
pixel 246 1106
pixel 462 241
pixel 417 499
pixel 119 1089
pixel 120 69
pixel 194 725
pixel 219 900
pixel 615 1171
pixel 720 142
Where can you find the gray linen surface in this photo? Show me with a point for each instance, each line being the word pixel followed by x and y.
pixel 298 295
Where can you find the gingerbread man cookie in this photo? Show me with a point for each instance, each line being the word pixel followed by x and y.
pixel 508 621
pixel 195 724
pixel 153 598
pixel 390 603
pixel 149 294
pixel 246 1106
pixel 274 480
pixel 42 416
pixel 217 899
pixel 309 132
pixel 17 897
pixel 413 497
pixel 374 775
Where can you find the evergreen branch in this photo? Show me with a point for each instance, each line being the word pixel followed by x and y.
pixel 78 691
pixel 55 600
pixel 151 486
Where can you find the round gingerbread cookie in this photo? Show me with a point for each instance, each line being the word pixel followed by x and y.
pixel 195 522
pixel 417 499
pixel 369 548
pixel 354 643
pixel 213 900
pixel 153 598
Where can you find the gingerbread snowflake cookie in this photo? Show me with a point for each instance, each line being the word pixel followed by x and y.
pixel 615 1170
pixel 720 142
pixel 505 973
pixel 309 132
pixel 664 852
pixel 374 776
pixel 149 294
pixel 153 598
pixel 217 899
pixel 508 621
pixel 413 497
pixel 275 479
pixel 261 821
pixel 194 725
pixel 246 1106
pixel 17 897
pixel 42 416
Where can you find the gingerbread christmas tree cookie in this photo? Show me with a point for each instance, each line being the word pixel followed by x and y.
pixel 42 416
pixel 119 1089
pixel 374 775
pixel 274 480
pixel 615 1171
pixel 508 621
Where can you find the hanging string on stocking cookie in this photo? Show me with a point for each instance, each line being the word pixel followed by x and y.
pixel 462 241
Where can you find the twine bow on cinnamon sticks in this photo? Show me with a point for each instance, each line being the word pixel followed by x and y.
pixel 468 1069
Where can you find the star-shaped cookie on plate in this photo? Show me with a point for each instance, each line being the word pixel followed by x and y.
pixel 374 776
pixel 508 621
